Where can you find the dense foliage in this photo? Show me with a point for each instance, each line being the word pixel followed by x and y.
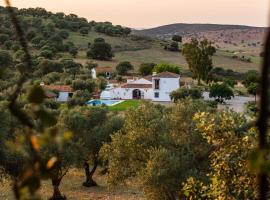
pixel 159 147
pixel 232 143
pixel 123 67
pixel 164 67
pixel 182 93
pixel 146 68
pixel 100 50
pixel 198 55
pixel 221 92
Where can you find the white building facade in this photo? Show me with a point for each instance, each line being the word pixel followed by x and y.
pixel 156 88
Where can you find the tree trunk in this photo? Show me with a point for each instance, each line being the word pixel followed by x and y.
pixel 89 182
pixel 56 191
pixel 255 98
pixel 199 81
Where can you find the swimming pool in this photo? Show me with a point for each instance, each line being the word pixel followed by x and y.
pixel 99 102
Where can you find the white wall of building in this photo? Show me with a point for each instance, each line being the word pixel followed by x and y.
pixel 63 97
pixel 94 73
pixel 127 93
pixel 167 85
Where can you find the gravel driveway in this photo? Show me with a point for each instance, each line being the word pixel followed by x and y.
pixel 237 103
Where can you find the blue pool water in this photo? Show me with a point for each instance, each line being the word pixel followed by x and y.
pixel 99 102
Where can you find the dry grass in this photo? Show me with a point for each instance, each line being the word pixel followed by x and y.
pixel 72 188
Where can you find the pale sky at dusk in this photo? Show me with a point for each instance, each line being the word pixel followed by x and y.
pixel 151 13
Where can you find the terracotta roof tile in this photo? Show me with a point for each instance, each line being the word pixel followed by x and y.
pixel 134 85
pixel 166 75
pixel 60 88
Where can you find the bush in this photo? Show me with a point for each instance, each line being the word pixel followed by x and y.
pixel 221 92
pixel 47 54
pixel 182 93
pixel 252 108
pixel 123 67
pixel 177 38
pixel 84 30
pixel 146 68
pixel 63 34
pixel 88 85
pixel 100 50
pixel 167 67
pixel 231 82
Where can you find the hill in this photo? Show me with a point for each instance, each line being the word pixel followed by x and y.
pixel 42 26
pixel 188 29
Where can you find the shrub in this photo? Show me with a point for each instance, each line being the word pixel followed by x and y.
pixel 146 68
pixel 167 67
pixel 123 67
pixel 221 92
pixel 182 93
pixel 177 38
pixel 100 50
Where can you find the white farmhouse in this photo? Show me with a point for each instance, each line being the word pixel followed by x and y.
pixel 156 88
pixel 60 93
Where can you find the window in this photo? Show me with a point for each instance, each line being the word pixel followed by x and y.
pixel 156 94
pixel 157 84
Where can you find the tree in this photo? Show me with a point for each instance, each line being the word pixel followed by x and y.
pixel 73 51
pixel 174 46
pixel 182 93
pixel 123 67
pixel 100 50
pixel 221 92
pixel 199 58
pixel 93 126
pixel 91 65
pixel 63 34
pixel 252 76
pixel 163 67
pixel 47 54
pixel 71 67
pixel 230 81
pixel 84 85
pixel 48 66
pixel 146 68
pixel 64 158
pixel 158 147
pixel 84 30
pixel 253 89
pixel 232 145
pixel 177 38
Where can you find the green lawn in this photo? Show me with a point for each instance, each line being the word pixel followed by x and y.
pixel 125 105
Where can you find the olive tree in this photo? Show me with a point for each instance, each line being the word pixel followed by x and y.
pixel 157 146
pixel 93 127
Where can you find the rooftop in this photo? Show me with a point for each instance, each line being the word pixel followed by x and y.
pixel 60 88
pixel 136 85
pixel 166 75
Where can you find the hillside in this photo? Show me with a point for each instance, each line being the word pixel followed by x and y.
pixel 137 47
pixel 189 29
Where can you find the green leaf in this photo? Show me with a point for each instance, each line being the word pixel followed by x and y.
pixel 186 193
pixel 36 95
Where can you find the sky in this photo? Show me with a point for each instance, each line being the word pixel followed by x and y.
pixel 152 13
